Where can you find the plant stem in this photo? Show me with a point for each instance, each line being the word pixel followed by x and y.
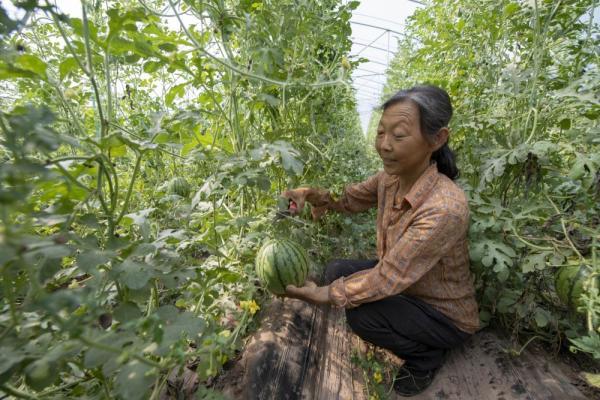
pixel 16 392
pixel 158 387
pixel 527 343
pixel 102 201
pixel 535 119
pixel 136 169
pixel 592 282
pixel 113 180
pixel 528 243
pixel 562 222
pixel 67 41
pixel 88 51
pixel 71 158
pixel 59 388
pixel 71 178
pixel 109 110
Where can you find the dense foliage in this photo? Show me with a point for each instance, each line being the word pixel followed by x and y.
pixel 143 148
pixel 524 77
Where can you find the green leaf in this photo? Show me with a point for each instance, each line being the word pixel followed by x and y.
pixel 137 144
pixel 41 373
pixel 177 325
pixel 152 66
pixel 493 253
pixel 89 260
pixel 10 358
pixel 51 252
pixel 176 278
pixel 139 218
pixel 143 47
pixel 565 123
pixel 535 262
pixel 133 274
pixel 175 91
pixel 90 220
pixel 126 312
pixel 48 268
pixel 77 25
pixel 270 99
pixel 118 151
pixel 166 46
pixel 289 156
pixel 32 63
pixel 511 8
pixel 134 380
pixel 6 254
pixel 95 357
pixel 507 300
pixel 492 169
pixel 162 138
pixel 120 20
pixel 589 344
pixel 67 66
pixel 111 141
pixel 119 45
pixel 592 379
pixel 543 149
pixel 10 72
pixel 581 165
pixel 542 317
pixel 143 249
pixel 353 5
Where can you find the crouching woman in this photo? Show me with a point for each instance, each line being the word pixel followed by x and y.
pixel 417 298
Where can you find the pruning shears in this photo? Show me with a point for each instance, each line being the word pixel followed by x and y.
pixel 286 208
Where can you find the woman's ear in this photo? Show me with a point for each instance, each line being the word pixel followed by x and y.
pixel 441 138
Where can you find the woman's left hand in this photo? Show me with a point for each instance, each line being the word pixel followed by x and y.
pixel 310 292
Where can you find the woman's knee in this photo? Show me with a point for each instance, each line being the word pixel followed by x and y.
pixel 362 323
pixel 357 319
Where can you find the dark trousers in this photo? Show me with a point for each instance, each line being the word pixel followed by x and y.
pixel 407 326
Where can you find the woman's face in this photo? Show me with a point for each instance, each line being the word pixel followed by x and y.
pixel 399 141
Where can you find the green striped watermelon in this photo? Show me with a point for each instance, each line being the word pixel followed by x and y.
pixel 179 186
pixel 569 282
pixel 281 262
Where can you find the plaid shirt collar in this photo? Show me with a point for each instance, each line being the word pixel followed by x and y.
pixel 422 187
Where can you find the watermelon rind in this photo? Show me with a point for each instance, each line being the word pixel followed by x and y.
pixel 569 281
pixel 179 186
pixel 281 262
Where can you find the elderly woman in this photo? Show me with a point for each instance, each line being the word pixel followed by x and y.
pixel 417 299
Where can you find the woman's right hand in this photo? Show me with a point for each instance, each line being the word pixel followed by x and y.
pixel 316 197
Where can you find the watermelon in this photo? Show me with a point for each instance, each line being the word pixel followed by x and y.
pixel 281 262
pixel 179 186
pixel 569 281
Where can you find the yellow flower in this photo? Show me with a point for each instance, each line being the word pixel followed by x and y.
pixel 225 333
pixel 74 284
pixel 377 377
pixel 250 306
